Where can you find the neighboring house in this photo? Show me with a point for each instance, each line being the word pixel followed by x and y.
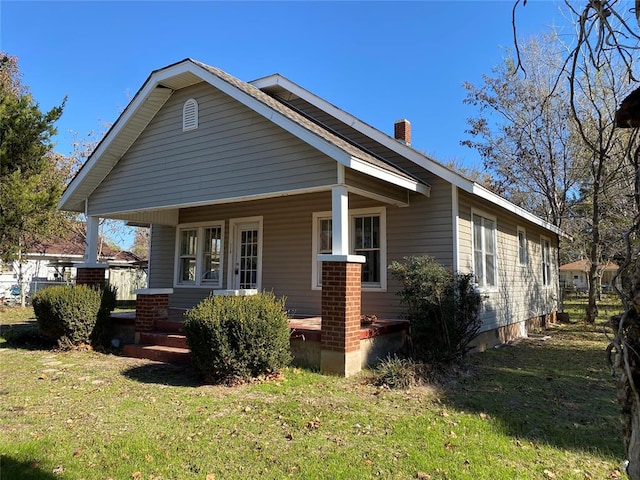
pixel 252 185
pixel 574 276
pixel 54 262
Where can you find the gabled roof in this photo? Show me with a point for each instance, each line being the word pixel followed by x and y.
pixel 73 245
pixel 585 265
pixel 162 83
pixel 258 95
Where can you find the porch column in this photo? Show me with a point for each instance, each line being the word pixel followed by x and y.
pixel 341 310
pixel 340 220
pixel 91 272
pixel 152 304
pixel 91 243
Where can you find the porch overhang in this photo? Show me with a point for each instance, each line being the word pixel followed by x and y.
pixel 380 191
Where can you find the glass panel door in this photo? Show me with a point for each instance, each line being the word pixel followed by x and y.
pixel 247 256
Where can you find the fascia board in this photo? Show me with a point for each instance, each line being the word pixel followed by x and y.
pixel 390 177
pixel 482 192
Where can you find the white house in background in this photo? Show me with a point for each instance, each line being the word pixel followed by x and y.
pixel 53 263
pixel 574 276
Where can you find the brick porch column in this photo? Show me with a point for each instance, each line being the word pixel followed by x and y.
pixel 341 301
pixel 151 304
pixel 91 274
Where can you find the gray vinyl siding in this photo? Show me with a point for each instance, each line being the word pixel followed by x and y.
pixel 520 294
pixel 424 227
pixel 234 153
pixel 379 187
pixel 162 247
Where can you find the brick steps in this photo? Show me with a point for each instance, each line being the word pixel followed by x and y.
pixel 166 343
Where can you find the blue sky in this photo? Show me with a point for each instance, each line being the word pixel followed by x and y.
pixel 380 61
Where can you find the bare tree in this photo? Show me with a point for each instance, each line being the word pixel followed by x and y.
pixel 606 30
pixel 521 130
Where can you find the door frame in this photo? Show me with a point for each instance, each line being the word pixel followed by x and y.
pixel 235 225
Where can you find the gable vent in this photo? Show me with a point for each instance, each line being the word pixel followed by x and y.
pixel 190 115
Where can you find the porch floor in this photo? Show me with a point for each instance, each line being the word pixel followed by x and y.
pixel 307 326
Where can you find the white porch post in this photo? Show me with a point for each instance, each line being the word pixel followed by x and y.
pixel 340 220
pixel 90 272
pixel 91 244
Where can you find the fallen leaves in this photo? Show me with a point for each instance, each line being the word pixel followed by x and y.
pixel 314 424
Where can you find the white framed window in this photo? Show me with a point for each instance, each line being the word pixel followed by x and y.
pixel 199 256
pixel 523 255
pixel 190 115
pixel 545 245
pixel 485 265
pixel 367 236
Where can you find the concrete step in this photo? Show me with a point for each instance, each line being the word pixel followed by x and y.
pixel 164 339
pixel 159 353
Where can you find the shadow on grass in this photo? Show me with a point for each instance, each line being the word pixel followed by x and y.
pixel 165 374
pixel 12 468
pixel 25 336
pixel 556 391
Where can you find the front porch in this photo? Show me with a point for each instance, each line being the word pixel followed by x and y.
pixel 165 340
pixel 334 342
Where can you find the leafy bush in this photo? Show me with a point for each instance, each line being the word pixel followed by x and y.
pixel 235 338
pixel 443 309
pixel 103 330
pixel 69 314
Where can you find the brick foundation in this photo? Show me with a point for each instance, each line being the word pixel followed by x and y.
pixel 341 300
pixel 91 276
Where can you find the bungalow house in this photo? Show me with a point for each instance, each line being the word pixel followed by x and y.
pixel 264 185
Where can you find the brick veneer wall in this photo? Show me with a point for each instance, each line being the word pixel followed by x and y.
pixel 341 300
pixel 91 276
pixel 150 308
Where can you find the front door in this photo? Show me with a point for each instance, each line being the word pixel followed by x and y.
pixel 246 264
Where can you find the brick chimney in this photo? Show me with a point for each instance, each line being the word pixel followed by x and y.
pixel 402 131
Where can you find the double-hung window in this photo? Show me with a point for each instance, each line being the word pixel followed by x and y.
pixel 484 251
pixel 546 261
pixel 523 256
pixel 367 234
pixel 199 255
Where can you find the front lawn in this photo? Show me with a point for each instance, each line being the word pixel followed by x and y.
pixel 543 408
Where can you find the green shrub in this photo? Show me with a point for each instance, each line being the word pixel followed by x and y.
pixel 74 315
pixel 235 338
pixel 103 330
pixel 443 309
pixel 396 372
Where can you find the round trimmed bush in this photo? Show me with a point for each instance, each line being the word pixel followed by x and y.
pixel 67 313
pixel 235 338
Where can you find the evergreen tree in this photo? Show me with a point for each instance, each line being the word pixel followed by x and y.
pixel 30 181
